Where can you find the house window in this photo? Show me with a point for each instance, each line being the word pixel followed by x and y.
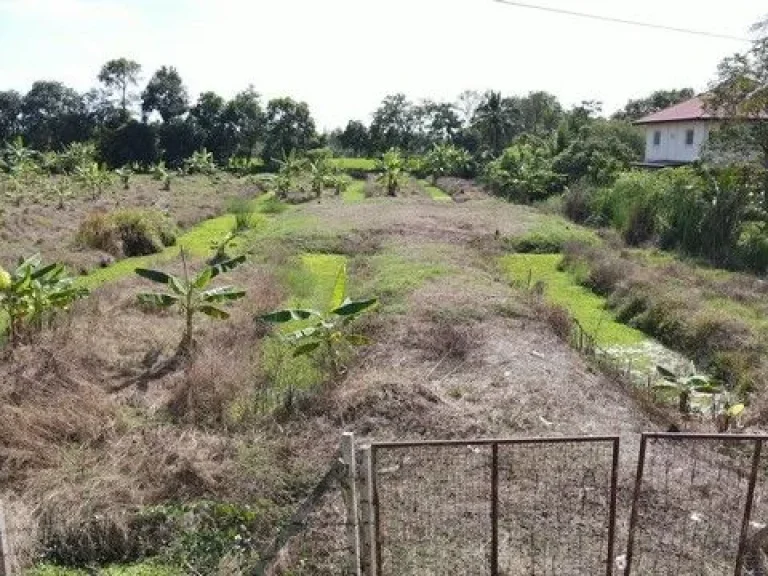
pixel 689 137
pixel 657 138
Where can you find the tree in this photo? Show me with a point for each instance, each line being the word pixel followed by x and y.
pixel 119 75
pixel 393 124
pixel 220 135
pixel 467 104
pixel 541 113
pixel 740 92
pixel 53 116
pixel 636 109
pixel 289 127
pixel 10 115
pixel 129 143
pixel 439 122
pixel 354 138
pixel 165 94
pixel 497 120
pixel 208 110
pixel 600 150
pixel 245 116
pixel 179 139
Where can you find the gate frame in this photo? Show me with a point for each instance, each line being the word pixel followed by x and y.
pixel 494 443
pixel 756 439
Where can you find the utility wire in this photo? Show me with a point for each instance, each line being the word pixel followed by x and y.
pixel 622 21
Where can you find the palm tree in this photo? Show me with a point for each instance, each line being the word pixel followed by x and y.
pixel 497 120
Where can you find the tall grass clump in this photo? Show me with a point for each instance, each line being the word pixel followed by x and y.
pixel 126 233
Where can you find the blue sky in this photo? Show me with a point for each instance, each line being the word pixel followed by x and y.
pixel 343 56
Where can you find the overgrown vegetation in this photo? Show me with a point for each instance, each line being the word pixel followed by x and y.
pixel 128 232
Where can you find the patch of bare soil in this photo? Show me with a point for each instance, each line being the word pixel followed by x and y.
pixel 461 189
pixel 423 218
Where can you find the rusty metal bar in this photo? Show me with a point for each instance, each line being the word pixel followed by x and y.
pixel 693 436
pixel 494 510
pixel 498 441
pixel 612 511
pixel 635 503
pixel 376 514
pixel 748 506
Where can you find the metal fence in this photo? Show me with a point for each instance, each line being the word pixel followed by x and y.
pixel 696 502
pixel 489 507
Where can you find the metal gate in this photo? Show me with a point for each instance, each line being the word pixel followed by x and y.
pixel 490 507
pixel 698 501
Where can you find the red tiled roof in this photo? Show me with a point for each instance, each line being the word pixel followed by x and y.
pixel 692 109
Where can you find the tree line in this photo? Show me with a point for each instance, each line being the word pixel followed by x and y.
pixel 161 122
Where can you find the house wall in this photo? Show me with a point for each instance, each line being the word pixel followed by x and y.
pixel 673 147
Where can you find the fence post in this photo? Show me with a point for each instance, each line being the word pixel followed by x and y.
pixel 6 552
pixel 366 526
pixel 349 491
pixel 495 509
pixel 748 506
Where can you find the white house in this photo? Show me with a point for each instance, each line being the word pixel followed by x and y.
pixel 677 134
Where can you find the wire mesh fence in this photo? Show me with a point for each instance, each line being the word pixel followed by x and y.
pixel 319 544
pixel 529 506
pixel 556 507
pixel 433 510
pixel 694 505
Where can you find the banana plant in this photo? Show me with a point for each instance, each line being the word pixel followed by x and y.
pixel 32 291
pixel 317 176
pixel 327 330
pixel 685 386
pixel 290 167
pixel 125 174
pixel 191 296
pixel 728 409
pixel 391 166
pixel 59 189
pixel 201 162
pixel 93 178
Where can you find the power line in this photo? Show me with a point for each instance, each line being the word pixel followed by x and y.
pixel 622 21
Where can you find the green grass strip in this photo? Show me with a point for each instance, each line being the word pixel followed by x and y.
pixel 561 288
pixel 435 193
pixel 354 193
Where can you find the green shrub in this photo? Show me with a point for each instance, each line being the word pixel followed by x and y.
pixel 753 248
pixel 130 232
pixel 272 205
pixel 523 173
pixel 577 203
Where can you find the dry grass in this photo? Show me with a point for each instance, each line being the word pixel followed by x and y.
pixel 43 227
pixel 78 460
pixel 683 309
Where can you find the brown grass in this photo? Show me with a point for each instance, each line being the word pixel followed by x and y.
pixel 41 226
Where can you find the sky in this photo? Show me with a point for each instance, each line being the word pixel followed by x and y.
pixel 343 56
